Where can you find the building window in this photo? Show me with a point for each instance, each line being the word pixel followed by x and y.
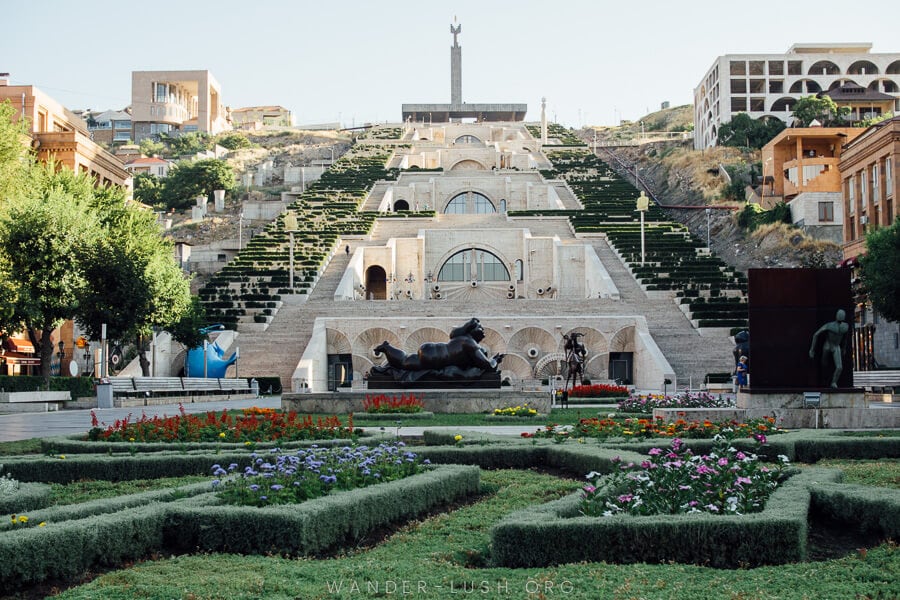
pixel 776 67
pixel 875 185
pixel 757 67
pixel 480 205
pixel 738 67
pixel 888 177
pixel 161 92
pixel 738 104
pixel 757 86
pixel 520 274
pixel 826 212
pixel 221 257
pixel 795 67
pixel 776 86
pixel 475 265
pixel 863 196
pixel 757 104
pixel 738 86
pixel 851 200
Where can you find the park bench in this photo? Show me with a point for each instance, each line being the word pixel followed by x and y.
pixel 188 389
pixel 884 382
pixel 38 401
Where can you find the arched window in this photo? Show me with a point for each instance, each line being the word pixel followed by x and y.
pixel 469 203
pixel 467 139
pixel 520 275
pixel 473 264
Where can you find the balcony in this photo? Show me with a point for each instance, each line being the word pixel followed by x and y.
pixel 819 174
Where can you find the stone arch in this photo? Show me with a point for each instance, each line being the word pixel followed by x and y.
pixel 515 367
pixel 361 366
pixel 424 335
pixel 468 164
pixel 532 343
pixel 478 198
pixel 368 339
pixel 597 366
pixel 493 342
pixel 805 85
pixel 838 83
pixel 893 68
pixel 784 104
pixel 623 340
pixel 467 276
pixel 885 85
pixel 467 138
pixel 863 67
pixel 550 365
pixel 824 67
pixel 336 342
pixel 401 206
pixel 376 283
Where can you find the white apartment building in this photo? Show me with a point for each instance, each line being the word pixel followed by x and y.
pixel 768 85
pixel 172 102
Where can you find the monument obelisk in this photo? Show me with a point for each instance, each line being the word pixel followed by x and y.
pixel 455 67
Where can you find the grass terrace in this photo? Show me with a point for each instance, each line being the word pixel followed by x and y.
pixel 249 289
pixel 711 293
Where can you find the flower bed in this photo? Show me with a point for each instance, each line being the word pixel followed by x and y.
pixel 646 403
pixel 630 429
pixel 221 427
pixel 284 478
pixel 598 390
pixel 383 403
pixel 520 410
pixel 725 481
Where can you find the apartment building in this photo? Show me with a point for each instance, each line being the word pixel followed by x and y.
pixel 109 127
pixel 768 85
pixel 870 191
pixel 58 133
pixel 174 102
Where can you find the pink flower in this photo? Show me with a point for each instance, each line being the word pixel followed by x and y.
pixel 590 489
pixel 655 452
pixel 625 498
pixel 723 462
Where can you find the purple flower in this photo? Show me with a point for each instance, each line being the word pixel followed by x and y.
pixel 277 487
pixel 254 488
pixel 590 489
pixel 759 438
pixel 655 452
pixel 676 444
pixel 625 498
pixel 743 480
pixel 723 462
pixel 740 456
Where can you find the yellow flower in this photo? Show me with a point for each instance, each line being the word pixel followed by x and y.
pixel 130 439
pixel 42 524
pixel 532 411
pixel 247 443
pixel 222 435
pixel 23 519
pixel 457 437
pixel 62 456
pixel 626 432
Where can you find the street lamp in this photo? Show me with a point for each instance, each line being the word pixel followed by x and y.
pixel 240 231
pixel 643 204
pixel 708 212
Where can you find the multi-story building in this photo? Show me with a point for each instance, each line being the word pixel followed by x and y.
pixel 768 85
pixel 252 118
pixel 870 190
pixel 800 167
pixel 110 127
pixel 172 102
pixel 58 133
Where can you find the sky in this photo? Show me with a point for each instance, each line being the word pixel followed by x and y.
pixel 596 61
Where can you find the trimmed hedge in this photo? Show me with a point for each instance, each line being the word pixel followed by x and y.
pixel 29 497
pixel 392 417
pixel 553 533
pixel 872 509
pixel 68 548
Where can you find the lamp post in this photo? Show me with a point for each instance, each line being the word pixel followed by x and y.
pixel 240 231
pixel 708 212
pixel 643 204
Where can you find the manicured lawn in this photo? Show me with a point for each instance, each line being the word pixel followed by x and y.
pixel 884 472
pixel 444 556
pixel 560 416
pixel 83 491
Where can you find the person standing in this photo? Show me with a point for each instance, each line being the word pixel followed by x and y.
pixel 742 371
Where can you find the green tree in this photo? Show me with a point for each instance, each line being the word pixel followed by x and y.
pixel 187 143
pixel 42 241
pixel 744 131
pixel 824 110
pixel 150 147
pixel 187 180
pixel 149 189
pixel 133 281
pixel 16 157
pixel 880 268
pixel 233 140
pixel 186 330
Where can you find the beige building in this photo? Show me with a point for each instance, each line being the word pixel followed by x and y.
pixel 58 133
pixel 768 85
pixel 252 118
pixel 173 102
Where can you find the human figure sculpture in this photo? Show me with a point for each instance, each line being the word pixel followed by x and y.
pixel 835 338
pixel 462 357
pixel 575 357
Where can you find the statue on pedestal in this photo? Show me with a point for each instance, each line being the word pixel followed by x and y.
pixel 835 342
pixel 462 358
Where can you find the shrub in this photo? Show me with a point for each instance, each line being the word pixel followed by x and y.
pixel 520 410
pixel 646 403
pixel 383 403
pixel 598 390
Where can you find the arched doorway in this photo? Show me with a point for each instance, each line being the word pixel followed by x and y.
pixel 401 205
pixel 376 283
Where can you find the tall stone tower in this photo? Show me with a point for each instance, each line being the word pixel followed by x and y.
pixel 543 121
pixel 455 67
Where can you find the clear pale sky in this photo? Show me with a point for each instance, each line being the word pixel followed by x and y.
pixel 596 61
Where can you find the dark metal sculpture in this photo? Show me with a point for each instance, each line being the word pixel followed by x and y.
pixel 835 344
pixel 460 359
pixel 575 358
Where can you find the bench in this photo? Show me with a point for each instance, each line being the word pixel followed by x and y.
pixel 884 382
pixel 177 387
pixel 39 401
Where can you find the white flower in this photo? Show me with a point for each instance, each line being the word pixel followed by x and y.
pixel 593 474
pixel 783 458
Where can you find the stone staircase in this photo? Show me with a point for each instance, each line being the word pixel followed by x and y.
pixel 276 351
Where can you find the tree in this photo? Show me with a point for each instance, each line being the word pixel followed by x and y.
pixel 16 157
pixel 880 268
pixel 744 131
pixel 187 143
pixel 187 180
pixel 42 241
pixel 133 283
pixel 186 331
pixel 149 189
pixel 822 109
pixel 233 140
pixel 150 147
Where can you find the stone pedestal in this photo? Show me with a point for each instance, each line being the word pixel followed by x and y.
pixel 436 401
pixel 219 197
pixel 793 398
